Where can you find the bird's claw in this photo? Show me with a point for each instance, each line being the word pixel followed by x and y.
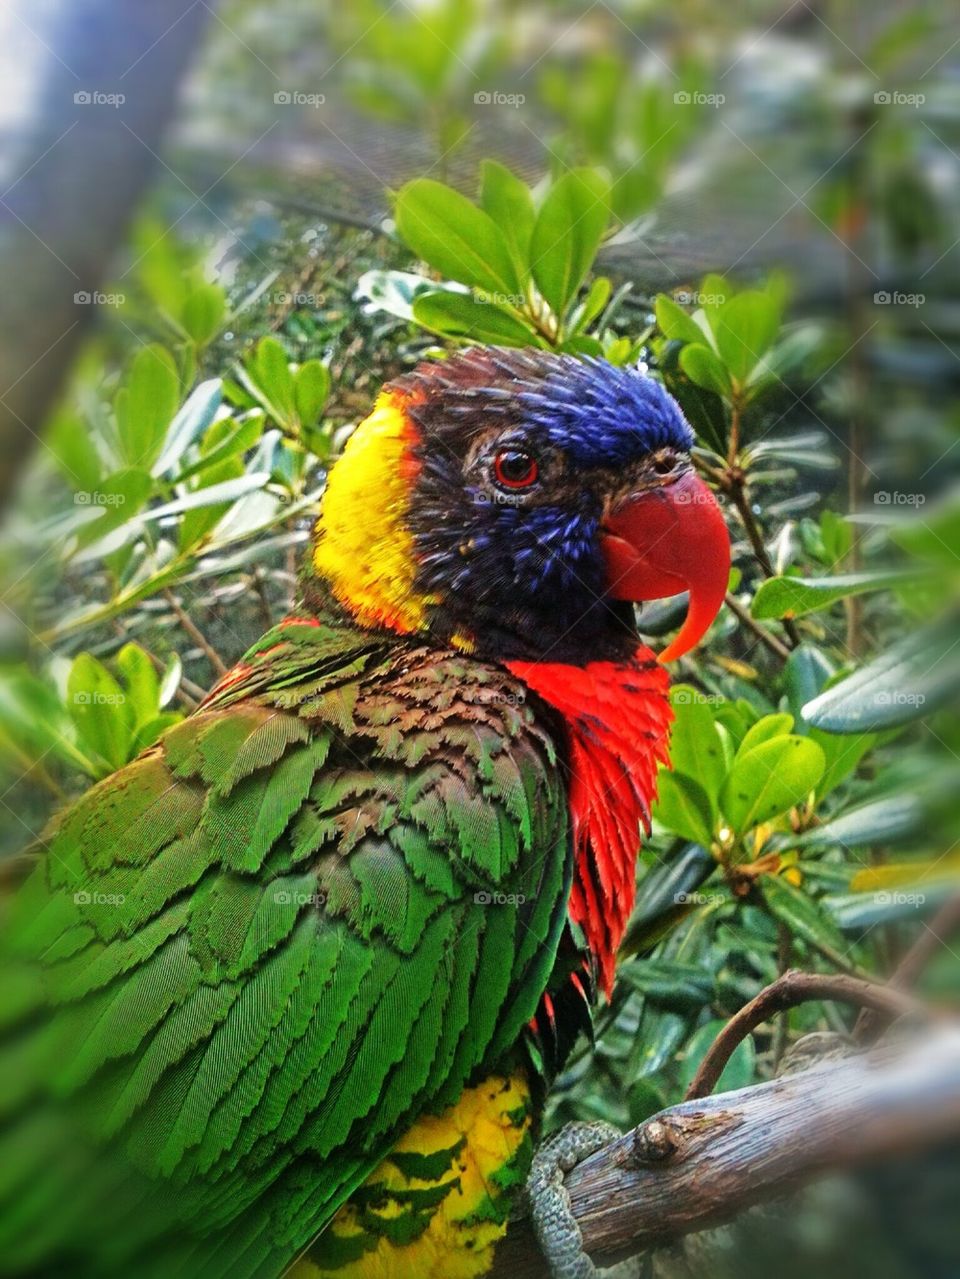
pixel 555 1226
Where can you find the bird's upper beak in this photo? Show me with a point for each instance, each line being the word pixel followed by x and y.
pixel 667 540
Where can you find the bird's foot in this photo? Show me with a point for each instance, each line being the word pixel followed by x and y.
pixel 555 1226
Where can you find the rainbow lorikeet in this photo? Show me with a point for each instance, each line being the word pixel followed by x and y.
pixel 286 991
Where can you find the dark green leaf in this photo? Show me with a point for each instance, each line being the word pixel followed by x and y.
pixel 683 807
pixel 801 914
pixel 795 596
pixel 910 680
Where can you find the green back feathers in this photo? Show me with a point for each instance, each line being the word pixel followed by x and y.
pixel 254 955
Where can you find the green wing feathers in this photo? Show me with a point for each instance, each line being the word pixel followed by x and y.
pixel 250 958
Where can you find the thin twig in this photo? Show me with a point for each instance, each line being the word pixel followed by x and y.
pixel 195 633
pixel 763 635
pixel 782 1028
pixel 736 486
pixel 786 992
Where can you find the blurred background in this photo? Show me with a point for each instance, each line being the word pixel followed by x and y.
pixel 224 225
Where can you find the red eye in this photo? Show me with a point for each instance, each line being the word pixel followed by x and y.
pixel 515 469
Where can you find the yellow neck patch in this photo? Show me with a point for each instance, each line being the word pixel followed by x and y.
pixel 363 546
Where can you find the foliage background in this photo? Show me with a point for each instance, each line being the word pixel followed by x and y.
pixel 760 206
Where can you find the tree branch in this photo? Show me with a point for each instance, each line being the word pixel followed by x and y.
pixel 789 990
pixel 701 1163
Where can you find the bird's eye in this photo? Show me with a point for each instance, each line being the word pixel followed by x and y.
pixel 515 469
pixel 664 463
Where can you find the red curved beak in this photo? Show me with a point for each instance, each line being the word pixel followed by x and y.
pixel 665 541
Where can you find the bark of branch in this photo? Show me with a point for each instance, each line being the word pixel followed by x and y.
pixel 702 1163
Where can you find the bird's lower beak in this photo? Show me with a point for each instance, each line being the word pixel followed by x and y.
pixel 667 540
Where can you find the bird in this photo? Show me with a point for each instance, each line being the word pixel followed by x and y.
pixel 285 994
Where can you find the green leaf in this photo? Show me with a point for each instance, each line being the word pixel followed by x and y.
pixel 119 497
pixel 678 987
pixel 745 328
pixel 842 754
pixel 796 596
pixel 704 368
pixel 567 235
pixel 145 405
pixel 683 807
pixel 395 291
pixel 663 896
pixel 714 293
pixel 240 437
pixel 769 779
pixel 100 710
pixel 806 671
pixel 194 417
pixel 310 391
pixel 674 322
pixel 460 316
pixel 452 235
pixel 740 1070
pixel 170 681
pixel 598 295
pixel 71 443
pixel 764 730
pixel 509 202
pixel 910 680
pixel 879 822
pixel 212 494
pixel 269 372
pixel 204 312
pixel 695 746
pixel 801 914
pixel 142 684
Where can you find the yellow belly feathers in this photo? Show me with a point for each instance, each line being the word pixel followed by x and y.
pixel 435 1208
